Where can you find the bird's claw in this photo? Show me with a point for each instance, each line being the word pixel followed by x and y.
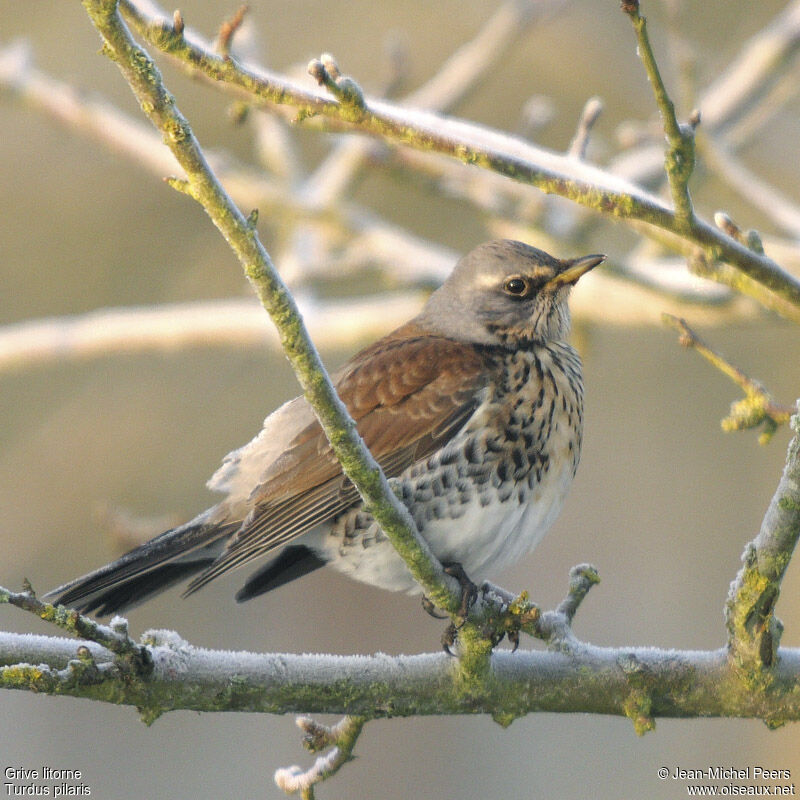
pixel 430 608
pixel 469 594
pixel 449 638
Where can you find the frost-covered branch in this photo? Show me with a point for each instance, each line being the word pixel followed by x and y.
pixel 340 738
pixel 589 679
pixel 349 109
pixel 350 237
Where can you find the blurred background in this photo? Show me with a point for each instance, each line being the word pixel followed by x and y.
pixel 663 503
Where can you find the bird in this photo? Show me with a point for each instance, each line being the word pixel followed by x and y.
pixel 474 411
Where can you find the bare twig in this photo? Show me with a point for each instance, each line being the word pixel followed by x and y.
pixel 679 160
pixel 763 61
pixel 454 80
pixel 473 61
pixel 589 115
pixel 555 627
pixel 758 407
pixel 228 30
pixel 774 99
pixel 740 101
pixel 341 738
pixel 408 259
pixel 114 637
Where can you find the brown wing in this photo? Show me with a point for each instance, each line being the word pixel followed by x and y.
pixel 408 393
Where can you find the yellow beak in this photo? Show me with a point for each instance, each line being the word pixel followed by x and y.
pixel 573 270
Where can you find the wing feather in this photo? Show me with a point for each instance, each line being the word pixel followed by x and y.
pixel 409 394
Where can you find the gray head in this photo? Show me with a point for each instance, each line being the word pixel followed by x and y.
pixel 505 292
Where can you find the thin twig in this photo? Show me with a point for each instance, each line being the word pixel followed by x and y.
pixel 114 637
pixel 738 103
pixel 341 738
pixel 763 61
pixel 775 98
pixel 408 259
pixel 460 73
pixel 555 627
pixel 679 159
pixel 758 407
pixel 591 112
pixel 228 30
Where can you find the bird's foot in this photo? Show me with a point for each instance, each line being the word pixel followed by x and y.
pixel 515 615
pixel 494 635
pixel 469 591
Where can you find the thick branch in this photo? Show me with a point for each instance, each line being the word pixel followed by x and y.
pixel 590 679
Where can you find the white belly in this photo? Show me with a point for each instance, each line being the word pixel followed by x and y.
pixel 490 495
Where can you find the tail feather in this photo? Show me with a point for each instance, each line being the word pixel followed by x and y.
pixel 134 591
pixel 148 569
pixel 293 562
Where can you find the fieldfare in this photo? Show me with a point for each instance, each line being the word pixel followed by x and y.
pixel 474 410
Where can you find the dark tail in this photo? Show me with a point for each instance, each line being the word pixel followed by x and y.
pixel 293 562
pixel 148 569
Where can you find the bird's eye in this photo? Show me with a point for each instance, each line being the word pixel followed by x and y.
pixel 516 286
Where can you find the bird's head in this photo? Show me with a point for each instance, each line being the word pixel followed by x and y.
pixel 506 292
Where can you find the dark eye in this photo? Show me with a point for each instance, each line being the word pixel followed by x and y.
pixel 516 286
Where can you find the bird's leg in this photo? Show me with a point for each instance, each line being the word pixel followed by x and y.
pixel 469 594
pixel 469 591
